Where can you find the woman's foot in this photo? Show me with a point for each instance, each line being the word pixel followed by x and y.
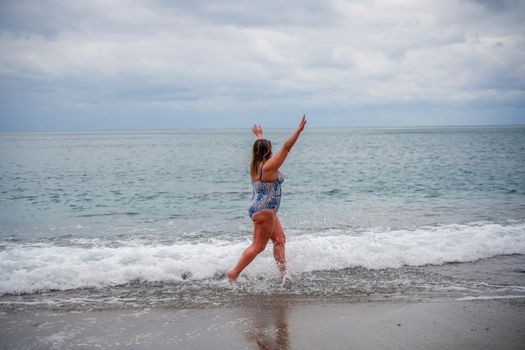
pixel 286 277
pixel 231 276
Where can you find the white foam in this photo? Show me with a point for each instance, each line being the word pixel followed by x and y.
pixel 29 268
pixel 423 246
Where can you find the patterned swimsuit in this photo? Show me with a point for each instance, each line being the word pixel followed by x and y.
pixel 266 195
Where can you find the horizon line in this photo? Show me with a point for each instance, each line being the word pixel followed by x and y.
pixel 267 128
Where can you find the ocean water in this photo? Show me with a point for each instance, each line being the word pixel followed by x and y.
pixel 100 220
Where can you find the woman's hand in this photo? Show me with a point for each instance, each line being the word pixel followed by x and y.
pixel 257 131
pixel 275 162
pixel 302 123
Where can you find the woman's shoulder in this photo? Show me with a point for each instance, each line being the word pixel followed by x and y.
pixel 270 175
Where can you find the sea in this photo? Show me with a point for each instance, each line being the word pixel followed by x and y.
pixel 105 220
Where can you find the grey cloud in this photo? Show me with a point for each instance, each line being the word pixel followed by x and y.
pixel 224 59
pixel 494 5
pixel 259 14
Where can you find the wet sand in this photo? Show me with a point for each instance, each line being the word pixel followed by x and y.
pixel 473 324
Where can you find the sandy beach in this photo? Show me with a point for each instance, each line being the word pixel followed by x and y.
pixel 467 324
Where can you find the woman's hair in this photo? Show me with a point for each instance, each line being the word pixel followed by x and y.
pixel 262 151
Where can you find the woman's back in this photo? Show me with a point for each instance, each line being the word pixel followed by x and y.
pixel 266 194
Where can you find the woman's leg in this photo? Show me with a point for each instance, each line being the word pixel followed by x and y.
pixel 278 238
pixel 263 225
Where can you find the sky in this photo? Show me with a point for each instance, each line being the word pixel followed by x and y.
pixel 129 64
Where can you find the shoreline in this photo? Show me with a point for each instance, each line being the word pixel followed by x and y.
pixel 277 324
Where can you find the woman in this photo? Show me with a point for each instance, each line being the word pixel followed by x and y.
pixel 266 182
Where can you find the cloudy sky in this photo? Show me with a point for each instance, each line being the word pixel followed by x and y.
pixel 129 64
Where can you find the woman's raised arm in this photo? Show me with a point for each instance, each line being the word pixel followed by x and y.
pixel 275 162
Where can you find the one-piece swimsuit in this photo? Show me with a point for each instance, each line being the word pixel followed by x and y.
pixel 266 195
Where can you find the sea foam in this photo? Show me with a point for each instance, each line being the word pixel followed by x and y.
pixel 28 268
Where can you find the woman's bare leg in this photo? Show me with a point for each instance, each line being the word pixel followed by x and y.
pixel 279 240
pixel 263 225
